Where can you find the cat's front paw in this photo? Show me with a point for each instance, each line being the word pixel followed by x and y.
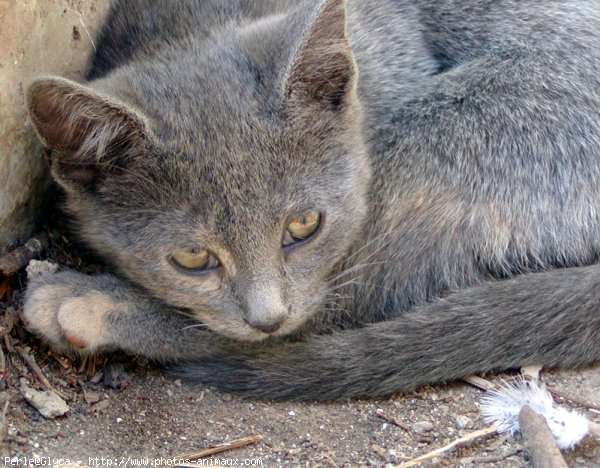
pixel 70 319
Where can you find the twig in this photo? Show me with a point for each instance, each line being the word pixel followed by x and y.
pixel 594 429
pixel 63 361
pixel 486 385
pixel 469 437
pixel 3 422
pixel 183 465
pixel 4 287
pixel 559 394
pixel 28 358
pixel 380 414
pixel 8 343
pixel 220 448
pixel 2 361
pixel 82 365
pixel 20 257
pixel 539 441
pixel 491 459
pixel 479 383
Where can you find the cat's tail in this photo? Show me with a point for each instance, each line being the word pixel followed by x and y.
pixel 550 318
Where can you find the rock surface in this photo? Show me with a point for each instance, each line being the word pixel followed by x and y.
pixel 38 37
pixel 48 403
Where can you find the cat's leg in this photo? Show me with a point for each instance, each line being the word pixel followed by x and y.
pixel 82 314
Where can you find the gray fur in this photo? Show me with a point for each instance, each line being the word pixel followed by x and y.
pixel 454 148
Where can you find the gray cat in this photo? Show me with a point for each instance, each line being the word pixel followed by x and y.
pixel 327 199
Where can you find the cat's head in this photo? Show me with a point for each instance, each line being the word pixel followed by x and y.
pixel 228 178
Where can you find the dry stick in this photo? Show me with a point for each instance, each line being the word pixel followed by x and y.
pixel 479 383
pixel 486 385
pixel 220 448
pixel 4 287
pixel 594 429
pixel 499 458
pixel 3 421
pixel 28 358
pixel 5 331
pixel 539 441
pixel 586 404
pixel 482 384
pixel 8 343
pixel 380 414
pixel 469 437
pixel 20 257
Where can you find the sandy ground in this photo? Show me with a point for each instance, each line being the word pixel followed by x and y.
pixel 125 411
pixel 145 414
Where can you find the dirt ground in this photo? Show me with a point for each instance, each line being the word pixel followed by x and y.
pixel 124 411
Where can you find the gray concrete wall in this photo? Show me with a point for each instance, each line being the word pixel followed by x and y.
pixel 37 37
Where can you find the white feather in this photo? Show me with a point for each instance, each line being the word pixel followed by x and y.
pixel 504 405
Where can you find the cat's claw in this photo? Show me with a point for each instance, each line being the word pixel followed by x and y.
pixel 73 322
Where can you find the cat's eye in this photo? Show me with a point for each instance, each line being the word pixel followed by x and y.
pixel 194 260
pixel 301 228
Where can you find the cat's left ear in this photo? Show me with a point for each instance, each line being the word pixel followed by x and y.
pixel 322 70
pixel 88 135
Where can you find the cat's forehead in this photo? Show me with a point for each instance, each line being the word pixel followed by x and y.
pixel 252 180
pixel 210 93
pixel 243 169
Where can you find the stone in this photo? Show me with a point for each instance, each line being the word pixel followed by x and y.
pixel 48 403
pixel 463 422
pixel 422 427
pixel 38 37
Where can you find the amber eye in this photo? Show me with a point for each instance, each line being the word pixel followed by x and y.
pixel 301 228
pixel 194 260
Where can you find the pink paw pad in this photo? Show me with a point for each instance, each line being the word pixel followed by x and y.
pixel 74 340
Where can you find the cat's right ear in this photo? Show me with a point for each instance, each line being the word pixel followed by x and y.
pixel 322 70
pixel 87 135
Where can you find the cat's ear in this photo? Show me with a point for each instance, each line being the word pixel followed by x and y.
pixel 87 135
pixel 322 69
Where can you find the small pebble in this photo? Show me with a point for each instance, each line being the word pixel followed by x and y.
pixel 422 426
pixel 291 413
pixel 115 376
pixel 91 397
pixel 48 403
pixel 101 405
pixel 97 377
pixel 463 422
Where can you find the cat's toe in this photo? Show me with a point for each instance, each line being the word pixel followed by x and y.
pixel 40 313
pixel 70 324
pixel 83 321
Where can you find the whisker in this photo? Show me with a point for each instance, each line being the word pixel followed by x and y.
pixel 354 268
pixel 196 325
pixel 369 243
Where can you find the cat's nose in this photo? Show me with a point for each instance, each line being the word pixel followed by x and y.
pixel 266 327
pixel 265 309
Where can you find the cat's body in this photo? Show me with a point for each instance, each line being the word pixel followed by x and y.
pixel 466 150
